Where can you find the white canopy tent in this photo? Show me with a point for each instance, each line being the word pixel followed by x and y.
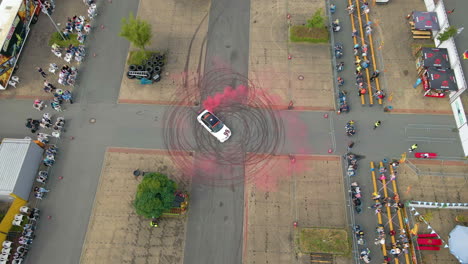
pixel 458 243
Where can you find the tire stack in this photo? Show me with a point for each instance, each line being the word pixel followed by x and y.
pixel 153 66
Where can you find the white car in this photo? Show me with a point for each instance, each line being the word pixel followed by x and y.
pixel 214 125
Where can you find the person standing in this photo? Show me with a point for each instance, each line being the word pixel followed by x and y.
pixel 38 105
pixel 56 106
pixel 362 91
pixel 41 71
pixel 67 96
pixel 413 147
pixel 374 75
pixel 154 222
pixel 377 124
pixel 350 145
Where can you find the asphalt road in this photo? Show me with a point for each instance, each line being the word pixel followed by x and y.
pixel 215 221
pixel 216 217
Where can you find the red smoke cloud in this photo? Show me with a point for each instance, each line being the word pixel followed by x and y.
pixel 229 95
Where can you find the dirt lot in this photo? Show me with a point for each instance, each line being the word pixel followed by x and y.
pixel 115 233
pixel 174 23
pixel 436 189
pixel 306 78
pixel 309 191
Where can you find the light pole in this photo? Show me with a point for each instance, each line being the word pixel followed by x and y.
pixel 45 11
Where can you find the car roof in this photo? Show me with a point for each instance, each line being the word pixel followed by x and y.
pixel 211 119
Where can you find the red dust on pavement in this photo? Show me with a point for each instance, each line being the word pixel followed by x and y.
pixel 228 96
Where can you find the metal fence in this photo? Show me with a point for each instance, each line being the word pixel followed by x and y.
pixel 421 172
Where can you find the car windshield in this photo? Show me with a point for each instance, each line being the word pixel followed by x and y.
pixel 212 122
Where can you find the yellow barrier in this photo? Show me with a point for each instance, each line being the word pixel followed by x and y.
pixel 400 218
pixel 376 190
pixel 7 221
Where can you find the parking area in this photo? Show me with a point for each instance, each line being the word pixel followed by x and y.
pixel 394 42
pixel 435 181
pixel 179 29
pixel 308 190
pixel 306 77
pixel 115 233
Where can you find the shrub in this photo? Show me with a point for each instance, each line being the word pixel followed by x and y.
pixel 448 33
pixel 317 20
pixel 56 38
pixel 139 56
pixel 155 195
pixel 137 31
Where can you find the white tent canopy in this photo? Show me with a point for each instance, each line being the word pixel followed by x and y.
pixel 458 243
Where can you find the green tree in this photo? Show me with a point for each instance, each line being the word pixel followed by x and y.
pixel 137 31
pixel 448 33
pixel 317 20
pixel 155 195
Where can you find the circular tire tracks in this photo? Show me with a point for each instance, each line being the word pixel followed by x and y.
pixel 257 130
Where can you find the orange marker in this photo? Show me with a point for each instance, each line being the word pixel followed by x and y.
pixel 408 189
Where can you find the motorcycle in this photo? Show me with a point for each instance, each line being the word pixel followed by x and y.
pixel 355 190
pixel 356 197
pixel 350 129
pixel 338 54
pixel 358 231
pixel 340 66
pixel 344 108
pixel 365 255
pixel 338 50
pixel 351 171
pixel 332 8
pixel 340 81
pixel 357 205
pixel 336 25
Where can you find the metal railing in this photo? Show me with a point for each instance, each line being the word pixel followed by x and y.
pixel 421 172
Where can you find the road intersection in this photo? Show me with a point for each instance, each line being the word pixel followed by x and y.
pixel 214 232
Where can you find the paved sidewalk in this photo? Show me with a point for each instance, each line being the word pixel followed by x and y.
pixel 397 63
pixel 179 31
pixel 36 53
pixel 305 79
pixel 309 191
pixel 115 232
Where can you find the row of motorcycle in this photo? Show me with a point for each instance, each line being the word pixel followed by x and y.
pixel 364 255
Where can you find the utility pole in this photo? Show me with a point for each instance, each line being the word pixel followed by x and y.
pixel 45 11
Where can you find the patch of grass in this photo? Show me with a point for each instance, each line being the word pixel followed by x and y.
pixel 301 33
pixel 139 56
pixel 415 47
pixel 16 228
pixel 56 38
pixel 322 240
